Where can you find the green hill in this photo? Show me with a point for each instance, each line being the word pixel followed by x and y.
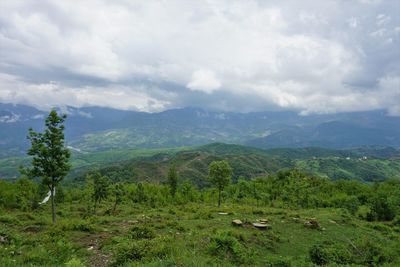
pixel 192 163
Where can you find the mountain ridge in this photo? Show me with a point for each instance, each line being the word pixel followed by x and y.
pixel 99 129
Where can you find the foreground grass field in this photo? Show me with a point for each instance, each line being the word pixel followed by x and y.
pixel 194 234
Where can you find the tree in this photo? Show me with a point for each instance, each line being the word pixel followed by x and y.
pixel 140 193
pixel 220 174
pixel 118 191
pixel 172 180
pixel 50 158
pixel 99 191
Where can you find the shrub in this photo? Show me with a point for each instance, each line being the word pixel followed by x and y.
pixel 141 232
pixel 318 255
pixel 371 254
pixel 381 209
pixel 141 250
pixel 363 252
pixel 225 245
pixel 363 212
pixel 7 219
pixel 74 262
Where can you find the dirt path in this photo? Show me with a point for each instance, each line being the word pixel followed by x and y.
pixel 93 243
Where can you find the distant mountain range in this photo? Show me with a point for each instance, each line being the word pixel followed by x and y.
pixel 93 129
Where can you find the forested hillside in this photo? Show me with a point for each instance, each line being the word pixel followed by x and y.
pixel 367 164
pixel 94 129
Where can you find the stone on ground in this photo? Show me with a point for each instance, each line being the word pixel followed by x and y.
pixel 237 222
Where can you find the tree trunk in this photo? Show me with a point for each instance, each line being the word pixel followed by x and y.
pixel 219 198
pixel 115 206
pixel 53 205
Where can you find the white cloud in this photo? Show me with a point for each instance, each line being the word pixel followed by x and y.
pixel 152 55
pixel 352 22
pixel 46 96
pixel 382 19
pixel 205 81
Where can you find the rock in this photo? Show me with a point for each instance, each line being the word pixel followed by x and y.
pixel 237 222
pixel 32 229
pixel 3 239
pixel 261 226
pixel 312 223
pixel 295 219
pixel 222 213
pixel 90 248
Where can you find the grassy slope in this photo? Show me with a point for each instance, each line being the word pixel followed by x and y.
pixel 183 234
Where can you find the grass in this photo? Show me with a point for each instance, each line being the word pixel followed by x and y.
pixel 186 235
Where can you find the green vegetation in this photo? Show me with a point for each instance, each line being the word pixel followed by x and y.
pixel 311 221
pixel 275 208
pixel 192 163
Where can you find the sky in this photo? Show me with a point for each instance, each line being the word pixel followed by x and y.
pixel 308 56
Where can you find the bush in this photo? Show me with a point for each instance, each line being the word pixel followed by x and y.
pixel 363 252
pixel 74 262
pixel 73 225
pixel 141 250
pixel 381 209
pixel 141 232
pixel 318 255
pixel 279 263
pixel 225 245
pixel 372 254
pixel 363 212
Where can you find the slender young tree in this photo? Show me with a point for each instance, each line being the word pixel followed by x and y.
pixel 173 180
pixel 118 192
pixel 50 157
pixel 220 174
pixel 100 185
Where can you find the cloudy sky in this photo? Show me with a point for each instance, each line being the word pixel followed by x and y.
pixel 309 56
